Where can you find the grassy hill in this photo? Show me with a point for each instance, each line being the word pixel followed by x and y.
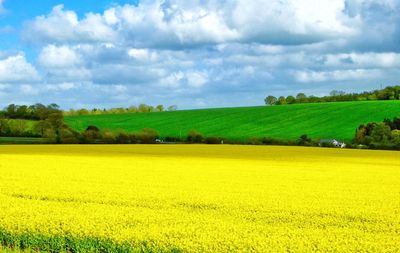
pixel 325 120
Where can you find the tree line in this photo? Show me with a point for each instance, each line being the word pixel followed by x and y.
pixel 383 135
pixel 142 108
pixel 31 112
pixel 388 93
pixel 14 121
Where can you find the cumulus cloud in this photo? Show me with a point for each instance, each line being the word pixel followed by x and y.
pixel 15 69
pixel 207 52
pixel 64 26
pixel 180 23
pixel 365 60
pixel 54 57
pixel 337 75
pixel 196 79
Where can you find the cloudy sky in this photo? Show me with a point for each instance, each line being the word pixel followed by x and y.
pixel 195 54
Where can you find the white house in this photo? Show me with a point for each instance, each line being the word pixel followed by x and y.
pixel 333 142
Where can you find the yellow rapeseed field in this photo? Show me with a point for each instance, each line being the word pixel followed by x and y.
pixel 199 198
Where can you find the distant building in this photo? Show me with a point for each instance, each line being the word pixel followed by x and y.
pixel 333 142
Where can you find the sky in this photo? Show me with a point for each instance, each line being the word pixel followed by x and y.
pixel 193 54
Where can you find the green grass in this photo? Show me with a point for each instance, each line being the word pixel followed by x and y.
pixel 323 120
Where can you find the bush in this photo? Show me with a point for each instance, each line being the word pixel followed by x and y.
pixel 304 140
pixel 148 136
pixel 195 137
pixel 93 128
pixel 213 140
pixel 134 138
pixel 108 137
pixel 122 138
pixel 91 135
pixel 254 141
pixel 172 139
pixel 69 136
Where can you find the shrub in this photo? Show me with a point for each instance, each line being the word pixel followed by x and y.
pixel 195 137
pixel 148 136
pixel 213 140
pixel 134 138
pixel 108 137
pixel 172 139
pixel 122 138
pixel 91 135
pixel 304 140
pixel 69 136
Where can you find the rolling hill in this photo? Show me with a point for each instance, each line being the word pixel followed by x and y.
pixel 320 120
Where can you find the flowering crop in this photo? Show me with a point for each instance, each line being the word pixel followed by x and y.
pixel 199 198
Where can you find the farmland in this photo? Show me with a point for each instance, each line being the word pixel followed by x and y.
pixel 287 122
pixel 199 198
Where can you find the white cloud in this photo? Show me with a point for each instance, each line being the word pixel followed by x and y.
pixel 173 80
pixel 202 50
pixel 64 26
pixel 176 22
pixel 292 21
pixel 28 89
pixel 371 59
pixel 142 54
pixel 337 75
pixel 61 87
pixel 55 57
pixel 196 79
pixel 17 69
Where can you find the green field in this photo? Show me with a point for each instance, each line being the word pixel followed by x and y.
pixel 323 120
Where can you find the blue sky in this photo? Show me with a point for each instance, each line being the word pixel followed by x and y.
pixel 195 54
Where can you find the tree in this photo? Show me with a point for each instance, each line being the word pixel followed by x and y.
pixel 290 100
pixel 148 135
pixel 301 97
pixel 132 109
pixel 91 135
pixel 82 111
pixel 172 108
pixel 93 128
pixel 56 121
pixel 18 127
pixel 395 136
pixel 4 127
pixel 22 112
pixel 194 137
pixel 336 93
pixel 11 111
pixel 213 140
pixel 381 133
pixel 122 138
pixel 41 126
pixel 281 100
pixel 304 140
pixel 143 108
pixel 360 134
pixel 69 136
pixel 270 100
pixel 160 108
pixel 108 137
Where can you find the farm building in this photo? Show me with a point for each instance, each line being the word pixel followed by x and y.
pixel 333 142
